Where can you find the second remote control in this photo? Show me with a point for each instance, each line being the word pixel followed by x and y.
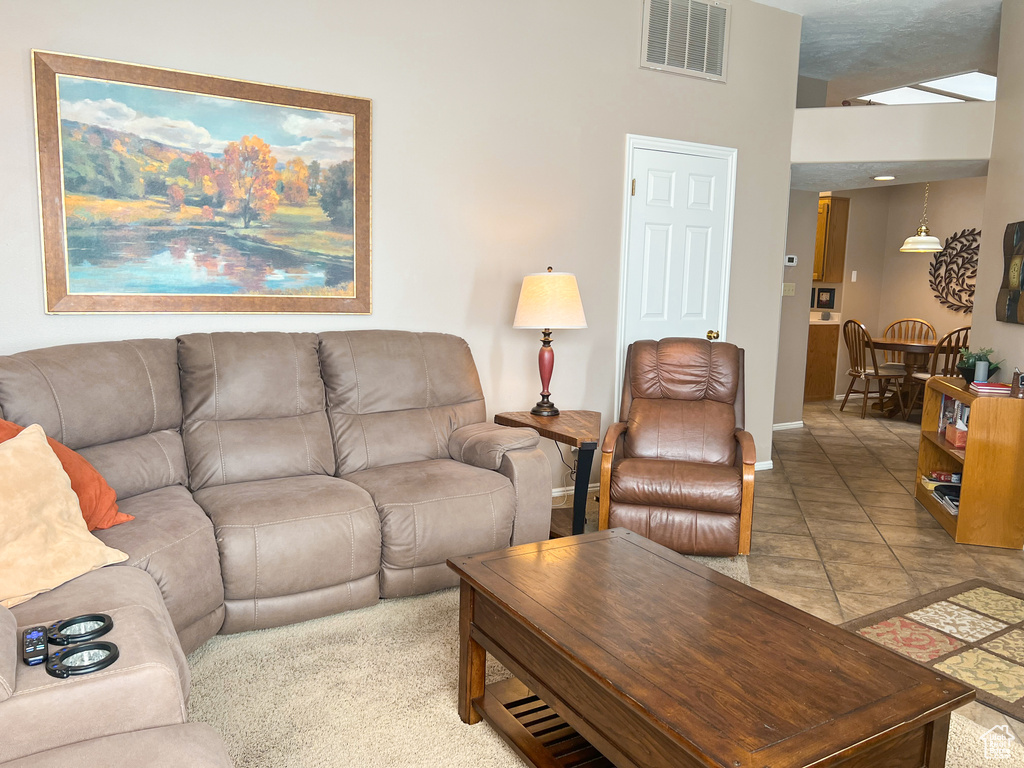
pixel 33 646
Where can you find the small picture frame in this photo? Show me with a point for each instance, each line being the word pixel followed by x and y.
pixel 826 298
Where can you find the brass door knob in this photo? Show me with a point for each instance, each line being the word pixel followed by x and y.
pixel 712 335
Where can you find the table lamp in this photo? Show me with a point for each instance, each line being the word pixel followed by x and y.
pixel 548 300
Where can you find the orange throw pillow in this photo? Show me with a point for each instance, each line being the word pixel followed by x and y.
pixel 97 499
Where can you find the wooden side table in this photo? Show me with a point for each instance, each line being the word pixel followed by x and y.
pixel 580 429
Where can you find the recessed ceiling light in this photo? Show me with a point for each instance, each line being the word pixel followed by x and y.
pixel 883 178
pixel 975 85
pixel 909 96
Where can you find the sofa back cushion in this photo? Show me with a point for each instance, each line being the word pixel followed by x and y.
pixel 253 407
pixel 396 396
pixel 117 403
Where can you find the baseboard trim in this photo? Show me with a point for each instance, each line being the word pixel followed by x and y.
pixel 568 490
pixel 787 425
pixel 763 465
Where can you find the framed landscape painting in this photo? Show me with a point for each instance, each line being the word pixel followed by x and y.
pixel 166 191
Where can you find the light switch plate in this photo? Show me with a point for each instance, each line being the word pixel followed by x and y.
pixel 789 289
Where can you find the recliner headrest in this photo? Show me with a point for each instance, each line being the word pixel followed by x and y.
pixel 684 369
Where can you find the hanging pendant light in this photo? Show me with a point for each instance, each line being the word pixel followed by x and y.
pixel 922 242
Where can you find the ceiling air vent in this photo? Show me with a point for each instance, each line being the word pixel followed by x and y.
pixel 688 37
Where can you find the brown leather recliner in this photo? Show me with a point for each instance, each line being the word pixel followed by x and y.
pixel 678 467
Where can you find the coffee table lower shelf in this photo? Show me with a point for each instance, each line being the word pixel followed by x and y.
pixel 534 730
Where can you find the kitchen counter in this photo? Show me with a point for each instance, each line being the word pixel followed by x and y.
pixel 836 318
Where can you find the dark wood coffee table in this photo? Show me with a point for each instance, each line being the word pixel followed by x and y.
pixel 628 654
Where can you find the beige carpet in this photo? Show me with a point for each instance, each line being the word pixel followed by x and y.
pixel 377 687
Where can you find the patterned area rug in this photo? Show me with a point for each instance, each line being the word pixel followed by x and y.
pixel 973 632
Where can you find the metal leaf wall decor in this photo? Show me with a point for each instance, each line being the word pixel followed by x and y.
pixel 954 271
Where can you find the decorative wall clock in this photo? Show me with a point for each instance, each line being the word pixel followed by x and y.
pixel 954 271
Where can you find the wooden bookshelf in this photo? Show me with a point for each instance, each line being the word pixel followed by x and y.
pixel 992 466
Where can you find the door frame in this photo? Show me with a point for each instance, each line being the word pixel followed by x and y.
pixel 634 142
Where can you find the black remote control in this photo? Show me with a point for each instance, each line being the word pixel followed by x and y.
pixel 33 646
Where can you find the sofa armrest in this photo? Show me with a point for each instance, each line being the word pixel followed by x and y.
pixel 485 445
pixel 612 435
pixel 530 474
pixel 746 453
pixel 611 444
pixel 9 643
pixel 746 457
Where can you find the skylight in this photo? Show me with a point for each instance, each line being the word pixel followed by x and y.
pixel 908 96
pixel 975 85
pixel 971 86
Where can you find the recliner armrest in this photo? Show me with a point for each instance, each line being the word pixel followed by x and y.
pixel 747 454
pixel 485 445
pixel 613 433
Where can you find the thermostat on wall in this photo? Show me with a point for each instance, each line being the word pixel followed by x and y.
pixel 790 260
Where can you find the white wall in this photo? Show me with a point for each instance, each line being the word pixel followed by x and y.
pixel 953 206
pixel 865 254
pixel 898 133
pixel 498 149
pixel 1004 195
pixel 793 325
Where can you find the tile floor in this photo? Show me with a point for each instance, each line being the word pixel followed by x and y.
pixel 838 533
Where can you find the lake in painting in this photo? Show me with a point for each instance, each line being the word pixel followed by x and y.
pixel 172 193
pixel 198 261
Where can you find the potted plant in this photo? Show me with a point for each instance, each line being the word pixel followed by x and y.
pixel 968 361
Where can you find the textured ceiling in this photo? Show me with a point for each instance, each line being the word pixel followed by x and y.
pixel 864 46
pixel 821 177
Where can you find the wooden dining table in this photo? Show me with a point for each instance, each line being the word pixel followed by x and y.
pixel 916 356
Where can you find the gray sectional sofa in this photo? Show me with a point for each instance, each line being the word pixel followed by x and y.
pixel 274 478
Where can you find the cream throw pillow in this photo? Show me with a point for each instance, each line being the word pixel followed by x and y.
pixel 44 540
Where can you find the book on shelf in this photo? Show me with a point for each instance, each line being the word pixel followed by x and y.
pixel 948 495
pixel 947 412
pixel 954 418
pixel 930 483
pixel 990 389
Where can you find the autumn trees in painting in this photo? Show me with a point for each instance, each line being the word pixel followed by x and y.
pixel 247 182
pixel 249 173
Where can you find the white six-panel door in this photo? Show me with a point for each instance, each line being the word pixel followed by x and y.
pixel 677 241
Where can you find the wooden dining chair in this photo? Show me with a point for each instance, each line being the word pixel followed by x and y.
pixel 943 363
pixel 864 366
pixel 907 329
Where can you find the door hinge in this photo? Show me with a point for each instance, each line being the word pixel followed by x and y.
pixel 632 191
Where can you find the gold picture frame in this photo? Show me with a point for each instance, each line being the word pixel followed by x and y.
pixel 168 191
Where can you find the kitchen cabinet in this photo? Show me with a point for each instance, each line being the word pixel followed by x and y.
pixel 822 352
pixel 830 243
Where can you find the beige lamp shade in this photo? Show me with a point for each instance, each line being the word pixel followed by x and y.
pixel 550 300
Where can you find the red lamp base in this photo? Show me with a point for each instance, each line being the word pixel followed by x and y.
pixel 546 363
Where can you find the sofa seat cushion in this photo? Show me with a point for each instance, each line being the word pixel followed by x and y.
pixel 688 531
pixel 196 745
pixel 172 539
pixel 680 484
pixel 147 687
pixel 433 510
pixel 293 548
